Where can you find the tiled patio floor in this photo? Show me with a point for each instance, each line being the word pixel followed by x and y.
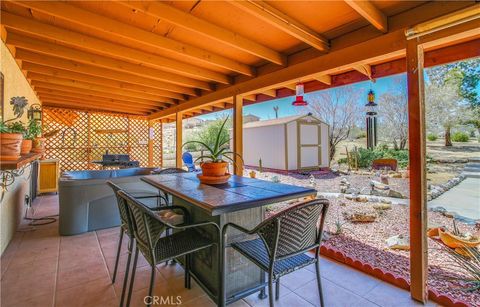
pixel 40 268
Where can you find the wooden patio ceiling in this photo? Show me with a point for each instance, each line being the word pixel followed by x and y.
pixel 158 58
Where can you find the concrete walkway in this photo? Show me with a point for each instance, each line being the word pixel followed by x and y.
pixel 463 199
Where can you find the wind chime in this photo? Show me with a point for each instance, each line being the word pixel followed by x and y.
pixel 371 112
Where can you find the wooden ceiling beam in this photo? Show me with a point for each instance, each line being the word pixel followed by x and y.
pixel 91 108
pixel 82 96
pixel 105 102
pixel 326 79
pixel 251 97
pixel 37 70
pixel 96 104
pixel 112 108
pixel 84 18
pixel 280 20
pixel 185 20
pixel 78 40
pixel 99 88
pixel 77 90
pixel 368 11
pixel 75 60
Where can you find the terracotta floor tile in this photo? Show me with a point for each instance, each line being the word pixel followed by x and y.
pixel 176 286
pixel 27 287
pixel 45 300
pixel 333 295
pixel 81 275
pixel 98 292
pixel 142 279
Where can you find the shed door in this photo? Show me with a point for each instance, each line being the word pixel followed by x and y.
pixel 309 145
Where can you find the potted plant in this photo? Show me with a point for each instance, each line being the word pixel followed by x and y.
pixel 10 140
pixel 27 142
pixel 35 132
pixel 214 170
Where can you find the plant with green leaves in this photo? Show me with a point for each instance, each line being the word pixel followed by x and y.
pixel 15 127
pixel 217 149
pixel 33 130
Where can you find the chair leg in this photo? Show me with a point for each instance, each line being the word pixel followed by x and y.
pixel 132 279
pixel 277 289
pixel 270 290
pixel 187 272
pixel 263 294
pixel 120 240
pixel 152 283
pixel 125 278
pixel 319 282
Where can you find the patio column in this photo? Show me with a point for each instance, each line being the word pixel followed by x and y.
pixel 150 143
pixel 238 134
pixel 418 180
pixel 178 140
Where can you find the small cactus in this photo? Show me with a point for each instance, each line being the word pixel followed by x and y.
pixel 260 167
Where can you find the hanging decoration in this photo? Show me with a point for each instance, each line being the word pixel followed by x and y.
pixel 371 124
pixel 299 92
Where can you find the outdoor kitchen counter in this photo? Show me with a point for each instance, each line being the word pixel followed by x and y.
pixel 238 193
pixel 241 201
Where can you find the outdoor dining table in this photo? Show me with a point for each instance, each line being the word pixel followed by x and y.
pixel 242 201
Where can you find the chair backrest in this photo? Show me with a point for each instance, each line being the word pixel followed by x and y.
pixel 122 209
pixel 170 171
pixel 294 230
pixel 147 228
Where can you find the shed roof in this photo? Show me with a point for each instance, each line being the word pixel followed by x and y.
pixel 278 121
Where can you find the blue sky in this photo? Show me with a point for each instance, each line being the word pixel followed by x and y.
pixel 265 109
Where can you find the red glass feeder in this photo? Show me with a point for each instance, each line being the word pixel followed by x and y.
pixel 299 96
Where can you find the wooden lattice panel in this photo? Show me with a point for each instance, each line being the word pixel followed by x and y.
pixel 157 143
pixel 139 141
pixel 67 143
pixel 85 136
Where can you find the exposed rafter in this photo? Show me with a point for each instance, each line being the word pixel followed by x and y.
pixel 251 97
pixel 179 18
pixel 370 13
pixel 280 20
pixel 271 93
pixel 96 45
pixel 121 30
pixel 73 56
pixel 326 79
pixel 364 69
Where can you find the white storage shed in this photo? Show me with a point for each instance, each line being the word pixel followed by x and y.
pixel 291 143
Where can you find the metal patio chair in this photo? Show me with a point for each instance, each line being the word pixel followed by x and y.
pixel 148 228
pixel 282 242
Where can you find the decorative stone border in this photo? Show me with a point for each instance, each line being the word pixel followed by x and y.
pixel 437 190
pixel 391 278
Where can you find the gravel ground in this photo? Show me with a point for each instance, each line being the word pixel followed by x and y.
pixel 366 241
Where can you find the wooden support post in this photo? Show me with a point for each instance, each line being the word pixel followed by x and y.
pixel 418 180
pixel 178 140
pixel 150 143
pixel 238 134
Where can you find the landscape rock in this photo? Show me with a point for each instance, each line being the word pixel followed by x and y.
pixel 395 194
pixel 360 216
pixel 382 206
pixel 398 242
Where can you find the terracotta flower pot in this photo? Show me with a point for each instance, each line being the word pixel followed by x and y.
pixel 214 169
pixel 252 174
pixel 10 144
pixel 38 145
pixel 26 147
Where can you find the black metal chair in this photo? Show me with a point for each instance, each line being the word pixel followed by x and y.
pixel 148 228
pixel 282 242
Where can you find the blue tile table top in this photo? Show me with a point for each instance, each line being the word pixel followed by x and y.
pixel 238 193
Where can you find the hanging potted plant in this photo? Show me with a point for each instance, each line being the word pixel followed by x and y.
pixel 10 140
pixel 216 152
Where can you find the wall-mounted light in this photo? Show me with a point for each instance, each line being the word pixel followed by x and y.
pixel 35 112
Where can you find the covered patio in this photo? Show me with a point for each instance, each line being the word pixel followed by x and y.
pixel 115 72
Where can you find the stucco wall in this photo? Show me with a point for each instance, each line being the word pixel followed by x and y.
pixel 12 204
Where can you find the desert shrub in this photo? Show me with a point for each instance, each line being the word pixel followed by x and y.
pixel 460 137
pixel 366 156
pixel 342 161
pixel 361 135
pixel 432 137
